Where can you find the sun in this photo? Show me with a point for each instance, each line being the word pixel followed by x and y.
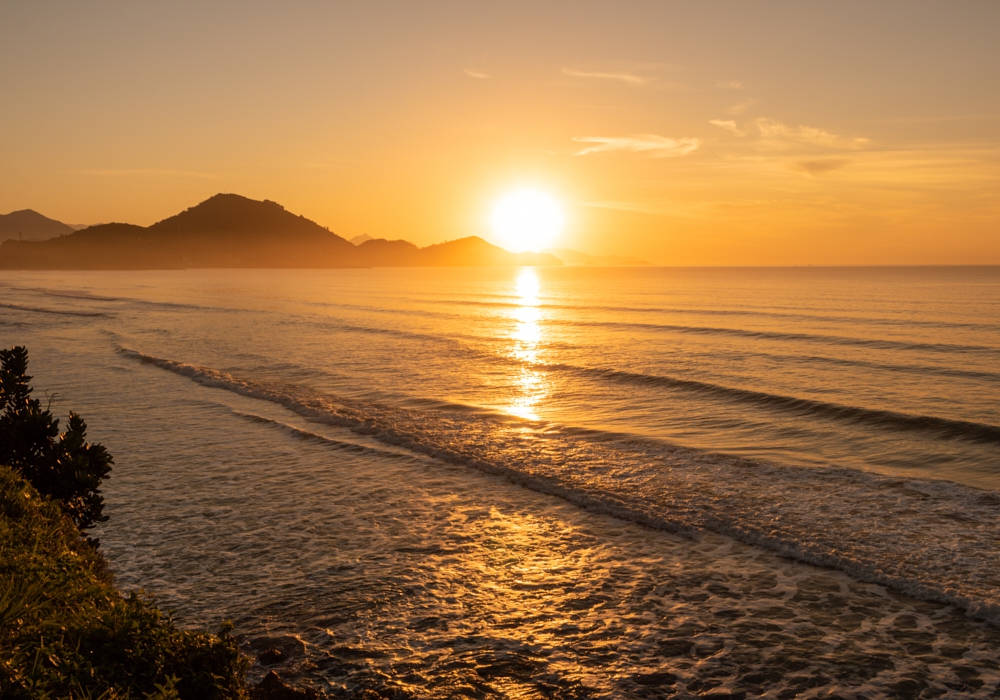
pixel 527 220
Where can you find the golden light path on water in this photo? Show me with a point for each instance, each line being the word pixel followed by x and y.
pixel 531 385
pixel 265 472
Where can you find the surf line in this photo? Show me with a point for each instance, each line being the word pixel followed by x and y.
pixel 769 506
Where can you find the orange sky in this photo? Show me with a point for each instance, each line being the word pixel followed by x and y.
pixel 689 133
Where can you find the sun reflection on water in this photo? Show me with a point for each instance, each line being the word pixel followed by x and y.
pixel 531 386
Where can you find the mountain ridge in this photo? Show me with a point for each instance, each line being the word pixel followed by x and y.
pixel 32 226
pixel 229 230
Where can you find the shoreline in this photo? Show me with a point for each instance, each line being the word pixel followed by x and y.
pixel 51 577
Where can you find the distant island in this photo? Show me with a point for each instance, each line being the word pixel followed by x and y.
pixel 228 230
pixel 231 231
pixel 29 225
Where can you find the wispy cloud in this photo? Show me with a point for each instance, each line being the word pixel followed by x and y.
pixel 730 85
pixel 821 165
pixel 657 207
pixel 621 77
pixel 475 74
pixel 729 125
pixel 741 107
pixel 651 144
pixel 637 207
pixel 774 130
pixel 131 172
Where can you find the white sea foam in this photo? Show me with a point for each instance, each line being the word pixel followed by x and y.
pixel 931 539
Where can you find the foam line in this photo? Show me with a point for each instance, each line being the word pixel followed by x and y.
pixel 36 310
pixel 871 417
pixel 931 539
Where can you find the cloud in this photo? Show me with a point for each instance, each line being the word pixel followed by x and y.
pixel 821 165
pixel 475 74
pixel 729 125
pixel 771 129
pixel 741 107
pixel 622 77
pixel 633 207
pixel 656 146
pixel 657 207
pixel 730 85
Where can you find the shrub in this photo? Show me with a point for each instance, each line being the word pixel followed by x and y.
pixel 66 632
pixel 68 469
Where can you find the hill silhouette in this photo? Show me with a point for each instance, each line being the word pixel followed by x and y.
pixel 228 231
pixel 474 251
pixel 31 226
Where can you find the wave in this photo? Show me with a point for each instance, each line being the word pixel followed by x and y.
pixel 876 343
pixel 825 339
pixel 870 417
pixel 61 312
pixel 398 333
pixel 340 445
pixel 318 322
pixel 885 367
pixel 931 539
pixel 72 295
pixel 854 320
pixel 127 300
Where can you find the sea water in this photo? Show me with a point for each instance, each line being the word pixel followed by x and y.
pixel 547 482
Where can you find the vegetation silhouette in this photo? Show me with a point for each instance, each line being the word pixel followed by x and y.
pixel 66 632
pixel 230 231
pixel 63 467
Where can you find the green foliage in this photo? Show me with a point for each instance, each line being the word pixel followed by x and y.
pixel 66 632
pixel 68 469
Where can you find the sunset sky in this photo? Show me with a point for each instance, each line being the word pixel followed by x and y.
pixel 697 133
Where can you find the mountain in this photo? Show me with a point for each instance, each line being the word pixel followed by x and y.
pixel 224 231
pixel 475 252
pixel 378 252
pixel 576 258
pixel 358 240
pixel 464 252
pixel 229 231
pixel 29 225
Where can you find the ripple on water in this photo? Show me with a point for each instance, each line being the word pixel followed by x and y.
pixel 394 571
pixel 369 563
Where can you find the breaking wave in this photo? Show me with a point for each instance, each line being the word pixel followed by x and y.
pixel 932 539
pixel 820 338
pixel 60 312
pixel 879 418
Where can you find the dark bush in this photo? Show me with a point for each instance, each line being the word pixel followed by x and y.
pixel 66 632
pixel 64 467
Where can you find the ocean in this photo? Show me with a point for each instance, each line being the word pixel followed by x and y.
pixel 551 482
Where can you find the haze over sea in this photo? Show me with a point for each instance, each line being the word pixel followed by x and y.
pixel 551 482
